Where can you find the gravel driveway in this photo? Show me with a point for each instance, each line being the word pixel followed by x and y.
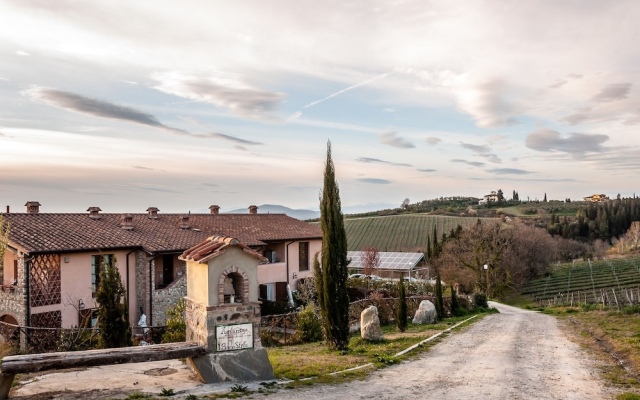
pixel 517 354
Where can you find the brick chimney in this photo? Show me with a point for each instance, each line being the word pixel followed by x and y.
pixel 126 222
pixel 214 209
pixel 94 212
pixel 253 209
pixel 153 212
pixel 33 207
pixel 183 223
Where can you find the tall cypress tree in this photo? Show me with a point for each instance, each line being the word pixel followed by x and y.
pixel 334 304
pixel 401 312
pixel 113 310
pixel 439 298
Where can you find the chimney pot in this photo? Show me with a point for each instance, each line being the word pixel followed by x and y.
pixel 215 209
pixel 94 212
pixel 7 209
pixel 33 207
pixel 253 209
pixel 184 222
pixel 153 212
pixel 126 222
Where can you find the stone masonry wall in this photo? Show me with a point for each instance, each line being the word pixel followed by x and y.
pixel 13 300
pixel 165 298
pixel 202 321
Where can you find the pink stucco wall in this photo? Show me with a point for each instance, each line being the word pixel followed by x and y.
pixel 277 272
pixel 76 285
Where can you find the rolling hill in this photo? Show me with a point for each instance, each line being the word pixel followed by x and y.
pixel 409 232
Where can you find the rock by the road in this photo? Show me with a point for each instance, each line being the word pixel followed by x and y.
pixel 370 324
pixel 426 313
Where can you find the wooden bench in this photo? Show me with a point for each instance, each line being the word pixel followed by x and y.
pixel 20 364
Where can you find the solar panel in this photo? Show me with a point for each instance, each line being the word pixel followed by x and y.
pixel 388 260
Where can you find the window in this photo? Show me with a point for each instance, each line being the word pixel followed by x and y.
pixel 303 254
pixel 96 266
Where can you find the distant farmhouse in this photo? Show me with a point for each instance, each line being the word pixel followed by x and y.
pixel 597 198
pixel 53 260
pixel 489 198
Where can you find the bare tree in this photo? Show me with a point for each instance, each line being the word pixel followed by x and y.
pixel 370 260
pixel 620 244
pixel 405 204
pixel 633 234
pixel 513 255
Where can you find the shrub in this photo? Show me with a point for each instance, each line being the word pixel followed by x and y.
pixel 401 312
pixel 456 309
pixel 480 300
pixel 385 312
pixel 176 326
pixel 309 326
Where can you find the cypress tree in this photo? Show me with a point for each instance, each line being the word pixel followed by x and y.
pixel 439 299
pixel 455 306
pixel 113 310
pixel 401 312
pixel 436 249
pixel 334 305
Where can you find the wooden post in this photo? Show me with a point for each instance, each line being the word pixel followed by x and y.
pixel 6 381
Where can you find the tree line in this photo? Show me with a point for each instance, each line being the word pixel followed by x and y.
pixel 604 221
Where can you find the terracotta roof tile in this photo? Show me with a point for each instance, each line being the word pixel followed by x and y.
pixel 215 246
pixel 51 232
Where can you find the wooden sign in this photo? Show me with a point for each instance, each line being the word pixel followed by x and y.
pixel 234 337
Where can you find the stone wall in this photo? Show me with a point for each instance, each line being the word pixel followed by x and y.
pixel 165 298
pixel 13 299
pixel 202 321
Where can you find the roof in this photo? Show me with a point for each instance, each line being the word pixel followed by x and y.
pixel 53 232
pixel 399 261
pixel 215 246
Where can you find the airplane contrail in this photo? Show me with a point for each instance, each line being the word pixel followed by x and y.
pixel 347 89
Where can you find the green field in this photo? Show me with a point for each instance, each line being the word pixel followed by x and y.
pixel 615 279
pixel 408 232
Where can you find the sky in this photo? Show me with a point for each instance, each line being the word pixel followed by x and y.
pixel 184 104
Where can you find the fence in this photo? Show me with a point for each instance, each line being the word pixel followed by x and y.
pixel 604 297
pixel 44 340
pixel 282 329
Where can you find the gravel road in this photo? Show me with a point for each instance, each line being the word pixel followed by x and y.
pixel 517 354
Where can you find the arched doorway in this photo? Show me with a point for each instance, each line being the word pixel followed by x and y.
pixel 9 332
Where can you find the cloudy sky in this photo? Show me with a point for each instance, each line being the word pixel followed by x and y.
pixel 184 104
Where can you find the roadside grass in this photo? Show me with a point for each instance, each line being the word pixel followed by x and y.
pixel 315 360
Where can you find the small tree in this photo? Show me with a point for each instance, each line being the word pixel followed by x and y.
pixel 455 306
pixel 176 325
pixel 370 260
pixel 439 299
pixel 401 312
pixel 113 310
pixel 633 234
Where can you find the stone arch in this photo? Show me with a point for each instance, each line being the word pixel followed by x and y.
pixel 241 284
pixel 9 331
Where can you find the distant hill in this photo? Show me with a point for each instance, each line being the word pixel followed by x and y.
pixel 277 209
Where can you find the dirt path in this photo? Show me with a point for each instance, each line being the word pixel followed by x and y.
pixel 517 354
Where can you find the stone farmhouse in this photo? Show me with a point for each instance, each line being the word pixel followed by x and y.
pixel 489 198
pixel 52 262
pixel 596 198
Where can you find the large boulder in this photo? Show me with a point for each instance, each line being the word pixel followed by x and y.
pixel 426 313
pixel 370 324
